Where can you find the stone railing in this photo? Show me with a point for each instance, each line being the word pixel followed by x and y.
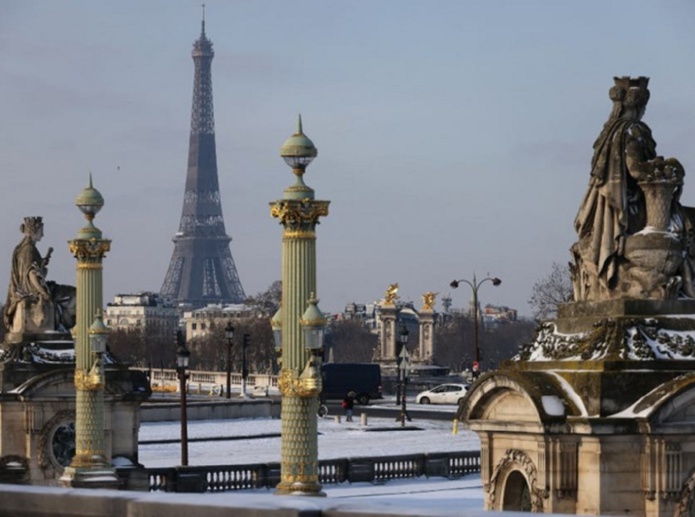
pixel 267 475
pixel 206 382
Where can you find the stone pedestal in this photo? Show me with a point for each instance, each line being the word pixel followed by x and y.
pixel 90 477
pixel 37 413
pixel 596 416
pixel 426 344
pixel 387 333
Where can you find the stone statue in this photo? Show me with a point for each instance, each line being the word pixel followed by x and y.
pixel 428 301
pixel 390 296
pixel 635 238
pixel 34 304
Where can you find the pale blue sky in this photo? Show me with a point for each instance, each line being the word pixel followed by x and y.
pixel 454 136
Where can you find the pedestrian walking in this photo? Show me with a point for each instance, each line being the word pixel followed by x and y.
pixel 348 404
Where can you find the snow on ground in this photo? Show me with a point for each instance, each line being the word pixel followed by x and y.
pixel 381 437
pixel 433 496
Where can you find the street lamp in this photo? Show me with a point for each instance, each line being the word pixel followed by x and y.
pixel 313 326
pixel 475 285
pixel 400 347
pixel 88 467
pixel 245 343
pixel 182 355
pixel 297 328
pixel 98 337
pixel 276 325
pixel 229 332
pixel 403 365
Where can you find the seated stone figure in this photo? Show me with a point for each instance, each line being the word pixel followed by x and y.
pixel 635 237
pixel 35 305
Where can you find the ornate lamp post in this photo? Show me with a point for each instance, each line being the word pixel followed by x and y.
pixel 229 333
pixel 90 466
pixel 300 380
pixel 475 285
pixel 182 355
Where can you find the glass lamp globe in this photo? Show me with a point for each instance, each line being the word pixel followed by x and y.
pixel 276 324
pixel 313 324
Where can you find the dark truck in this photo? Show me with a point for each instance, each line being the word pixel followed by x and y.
pixel 361 380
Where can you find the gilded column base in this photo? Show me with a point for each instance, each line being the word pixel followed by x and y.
pixel 90 477
pixel 89 460
pixel 306 488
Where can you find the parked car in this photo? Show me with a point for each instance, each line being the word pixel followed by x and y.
pixel 442 394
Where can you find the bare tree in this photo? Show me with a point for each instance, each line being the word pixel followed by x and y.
pixel 453 343
pixel 504 341
pixel 268 301
pixel 551 291
pixel 351 342
pixel 455 346
pixel 145 347
pixel 209 352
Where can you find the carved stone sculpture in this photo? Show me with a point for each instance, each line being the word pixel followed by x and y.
pixel 35 305
pixel 635 238
pixel 604 395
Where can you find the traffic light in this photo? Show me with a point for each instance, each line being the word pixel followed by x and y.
pixel 246 341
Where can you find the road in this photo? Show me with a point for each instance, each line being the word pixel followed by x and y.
pixel 388 408
pixel 383 408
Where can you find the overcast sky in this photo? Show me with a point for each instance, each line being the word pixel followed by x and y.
pixel 454 137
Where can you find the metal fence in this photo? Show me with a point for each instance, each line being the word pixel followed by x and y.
pixel 267 475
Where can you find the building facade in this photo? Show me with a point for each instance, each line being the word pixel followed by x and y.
pixel 497 315
pixel 198 323
pixel 142 311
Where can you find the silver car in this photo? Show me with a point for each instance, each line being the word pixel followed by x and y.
pixel 442 394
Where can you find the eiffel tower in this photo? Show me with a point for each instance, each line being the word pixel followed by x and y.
pixel 202 269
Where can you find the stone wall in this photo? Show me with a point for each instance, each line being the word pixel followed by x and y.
pixel 32 501
pixel 218 410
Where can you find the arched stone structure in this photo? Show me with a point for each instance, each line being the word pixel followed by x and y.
pixel 517 418
pixel 38 416
pixel 517 495
pixel 513 485
pixel 539 423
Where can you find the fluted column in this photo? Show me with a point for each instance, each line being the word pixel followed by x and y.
pixel 90 466
pixel 298 212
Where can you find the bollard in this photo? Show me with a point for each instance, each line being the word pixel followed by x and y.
pixel 363 419
pixel 337 419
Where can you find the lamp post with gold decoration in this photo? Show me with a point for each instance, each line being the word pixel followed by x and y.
pixel 90 466
pixel 299 325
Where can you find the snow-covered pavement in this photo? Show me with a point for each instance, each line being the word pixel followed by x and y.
pixel 381 437
pixel 247 444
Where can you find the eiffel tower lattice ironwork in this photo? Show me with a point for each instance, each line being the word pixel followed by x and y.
pixel 202 270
